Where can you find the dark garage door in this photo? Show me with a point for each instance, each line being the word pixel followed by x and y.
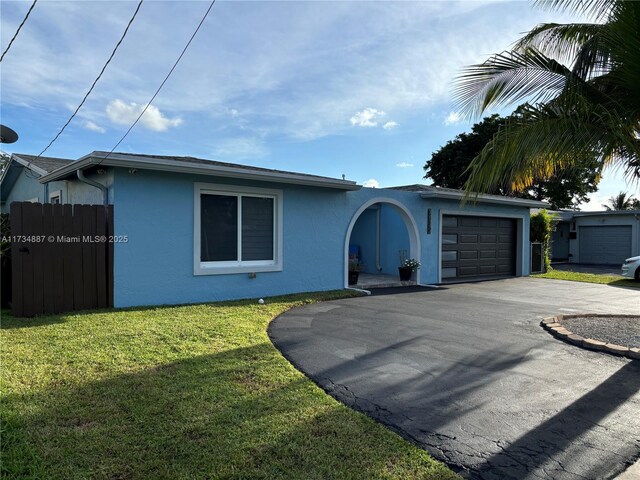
pixel 606 244
pixel 477 247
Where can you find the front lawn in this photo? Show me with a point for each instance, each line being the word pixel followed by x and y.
pixel 180 393
pixel 613 280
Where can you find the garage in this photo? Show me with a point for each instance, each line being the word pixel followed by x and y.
pixel 476 247
pixel 604 244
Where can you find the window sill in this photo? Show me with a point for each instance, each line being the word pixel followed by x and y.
pixel 200 270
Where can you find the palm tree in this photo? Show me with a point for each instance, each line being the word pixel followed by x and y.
pixel 622 201
pixel 581 86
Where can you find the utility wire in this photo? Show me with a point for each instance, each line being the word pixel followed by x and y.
pixel 124 34
pixel 18 30
pixel 195 32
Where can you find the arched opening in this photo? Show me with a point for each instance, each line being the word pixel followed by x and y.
pixel 380 232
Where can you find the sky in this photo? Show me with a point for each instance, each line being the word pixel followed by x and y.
pixel 357 88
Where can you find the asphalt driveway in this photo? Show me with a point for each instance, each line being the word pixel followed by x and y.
pixel 467 372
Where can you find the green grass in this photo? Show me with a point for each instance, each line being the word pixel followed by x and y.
pixel 180 393
pixel 613 280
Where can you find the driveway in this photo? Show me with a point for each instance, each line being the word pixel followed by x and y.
pixel 467 373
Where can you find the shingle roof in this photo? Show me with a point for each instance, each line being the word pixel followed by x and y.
pixel 433 191
pixel 198 166
pixel 202 161
pixel 48 164
pixel 416 187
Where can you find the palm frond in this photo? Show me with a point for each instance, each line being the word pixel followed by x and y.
pixel 543 141
pixel 599 10
pixel 584 82
pixel 560 41
pixel 624 40
pixel 508 78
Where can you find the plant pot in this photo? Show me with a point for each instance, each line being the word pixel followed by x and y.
pixel 353 277
pixel 405 273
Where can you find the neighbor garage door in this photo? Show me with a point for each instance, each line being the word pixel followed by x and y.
pixel 607 245
pixel 477 247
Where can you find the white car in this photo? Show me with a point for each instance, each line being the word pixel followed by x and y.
pixel 631 268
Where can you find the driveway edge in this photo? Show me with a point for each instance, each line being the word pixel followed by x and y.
pixel 554 326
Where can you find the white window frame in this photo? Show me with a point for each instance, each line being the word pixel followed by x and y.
pixel 56 193
pixel 237 266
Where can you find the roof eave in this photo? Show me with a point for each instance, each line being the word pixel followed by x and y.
pixel 606 213
pixel 198 169
pixel 516 202
pixel 30 165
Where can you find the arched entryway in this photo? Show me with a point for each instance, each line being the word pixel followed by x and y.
pixel 381 229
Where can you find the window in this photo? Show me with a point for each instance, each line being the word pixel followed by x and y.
pixel 449 238
pixel 55 197
pixel 449 272
pixel 449 256
pixel 237 229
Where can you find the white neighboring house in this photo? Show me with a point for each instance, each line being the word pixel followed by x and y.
pixel 598 238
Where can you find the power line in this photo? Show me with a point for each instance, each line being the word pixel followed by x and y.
pixel 195 32
pixel 124 34
pixel 18 30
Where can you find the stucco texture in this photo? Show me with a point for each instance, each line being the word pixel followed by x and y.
pixel 155 210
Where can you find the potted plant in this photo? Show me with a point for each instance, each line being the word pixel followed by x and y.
pixel 407 267
pixel 354 270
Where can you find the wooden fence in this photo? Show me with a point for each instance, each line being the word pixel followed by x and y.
pixel 62 258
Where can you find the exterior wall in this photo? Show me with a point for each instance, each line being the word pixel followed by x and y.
pixel 605 220
pixel 364 235
pixel 25 188
pixel 393 238
pixel 155 211
pixel 155 266
pixel 78 192
pixel 73 191
pixel 560 242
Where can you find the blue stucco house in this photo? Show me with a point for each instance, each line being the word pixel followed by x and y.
pixel 200 231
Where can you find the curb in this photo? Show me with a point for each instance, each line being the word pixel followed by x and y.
pixel 554 326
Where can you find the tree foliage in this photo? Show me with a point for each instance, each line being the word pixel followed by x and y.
pixel 449 167
pixel 540 228
pixel 622 201
pixel 582 82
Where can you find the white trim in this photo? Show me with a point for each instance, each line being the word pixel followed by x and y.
pixel 29 164
pixel 410 223
pixel 55 193
pixel 520 257
pixel 220 268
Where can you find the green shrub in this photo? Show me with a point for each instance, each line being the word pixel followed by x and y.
pixel 542 224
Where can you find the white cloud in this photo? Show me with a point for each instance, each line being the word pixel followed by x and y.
pixel 453 118
pixel 371 183
pixel 404 165
pixel 233 112
pixel 367 118
pixel 302 85
pixel 390 125
pixel 89 125
pixel 153 118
